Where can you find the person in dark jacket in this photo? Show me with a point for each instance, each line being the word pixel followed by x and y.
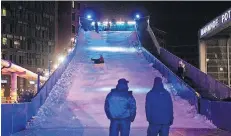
pixel 99 60
pixel 120 108
pixel 159 110
pixel 108 26
pixel 96 27
pixel 181 70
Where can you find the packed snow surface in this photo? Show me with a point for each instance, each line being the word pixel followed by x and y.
pixel 76 102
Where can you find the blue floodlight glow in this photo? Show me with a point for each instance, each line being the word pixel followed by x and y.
pixel 120 23
pixel 92 23
pixel 112 49
pixel 105 23
pixel 131 22
pixel 88 16
pixel 137 16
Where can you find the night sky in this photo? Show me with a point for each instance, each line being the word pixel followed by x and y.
pixel 181 20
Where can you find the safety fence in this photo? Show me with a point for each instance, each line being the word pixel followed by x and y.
pixel 181 88
pixel 204 83
pixel 218 112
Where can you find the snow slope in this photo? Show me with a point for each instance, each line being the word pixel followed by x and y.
pixel 75 105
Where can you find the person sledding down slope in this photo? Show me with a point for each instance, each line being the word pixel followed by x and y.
pixel 99 60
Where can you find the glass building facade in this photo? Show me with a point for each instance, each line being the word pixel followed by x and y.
pixel 217 58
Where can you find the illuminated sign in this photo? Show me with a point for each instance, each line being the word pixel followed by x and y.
pixel 4 81
pixel 105 23
pixel 32 82
pixel 224 18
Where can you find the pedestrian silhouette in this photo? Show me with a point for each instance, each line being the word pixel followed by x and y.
pixel 159 110
pixel 120 108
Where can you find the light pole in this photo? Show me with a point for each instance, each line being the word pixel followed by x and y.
pixel 49 60
pixel 86 21
pixel 49 67
pixel 39 72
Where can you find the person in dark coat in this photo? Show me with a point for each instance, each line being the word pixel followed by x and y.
pixel 96 27
pixel 159 110
pixel 181 70
pixel 108 26
pixel 120 108
pixel 99 60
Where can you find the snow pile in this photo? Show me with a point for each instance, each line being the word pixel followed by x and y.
pixel 56 103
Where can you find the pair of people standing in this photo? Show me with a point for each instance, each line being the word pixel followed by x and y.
pixel 120 108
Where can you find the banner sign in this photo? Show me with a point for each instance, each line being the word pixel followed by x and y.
pixel 217 22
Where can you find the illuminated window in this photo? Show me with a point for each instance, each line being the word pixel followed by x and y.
pixel 78 6
pixel 73 4
pixel 3 12
pixel 4 41
pixel 73 29
pixel 73 16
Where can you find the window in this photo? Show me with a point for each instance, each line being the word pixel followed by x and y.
pixel 32 30
pixel 29 45
pixel 49 49
pixel 78 6
pixel 11 58
pixel 50 36
pixel 35 47
pixel 3 27
pixel 22 45
pixel 38 46
pixel 28 17
pixel 21 14
pixel 36 18
pixel 36 33
pixel 73 29
pixel 3 56
pixel 16 44
pixel 3 12
pixel 42 49
pixel 73 16
pixel 21 59
pixel 43 34
pixel 4 41
pixel 11 44
pixel 73 4
pixel 36 62
pixel 21 29
pixel 15 59
pixel 11 13
pixel 43 62
pixel 31 4
pixel 11 28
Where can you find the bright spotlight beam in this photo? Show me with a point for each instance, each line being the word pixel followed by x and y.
pixel 92 23
pixel 61 59
pixel 138 16
pixel 88 16
pixel 55 66
pixel 131 22
pixel 119 23
pixel 113 49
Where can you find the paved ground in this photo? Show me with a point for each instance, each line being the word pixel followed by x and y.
pixel 134 132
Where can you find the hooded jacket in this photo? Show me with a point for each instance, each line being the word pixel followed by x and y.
pixel 120 104
pixel 159 106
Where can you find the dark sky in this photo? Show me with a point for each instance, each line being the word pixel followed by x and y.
pixel 181 20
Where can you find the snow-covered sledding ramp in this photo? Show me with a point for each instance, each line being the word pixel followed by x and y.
pixel 75 105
